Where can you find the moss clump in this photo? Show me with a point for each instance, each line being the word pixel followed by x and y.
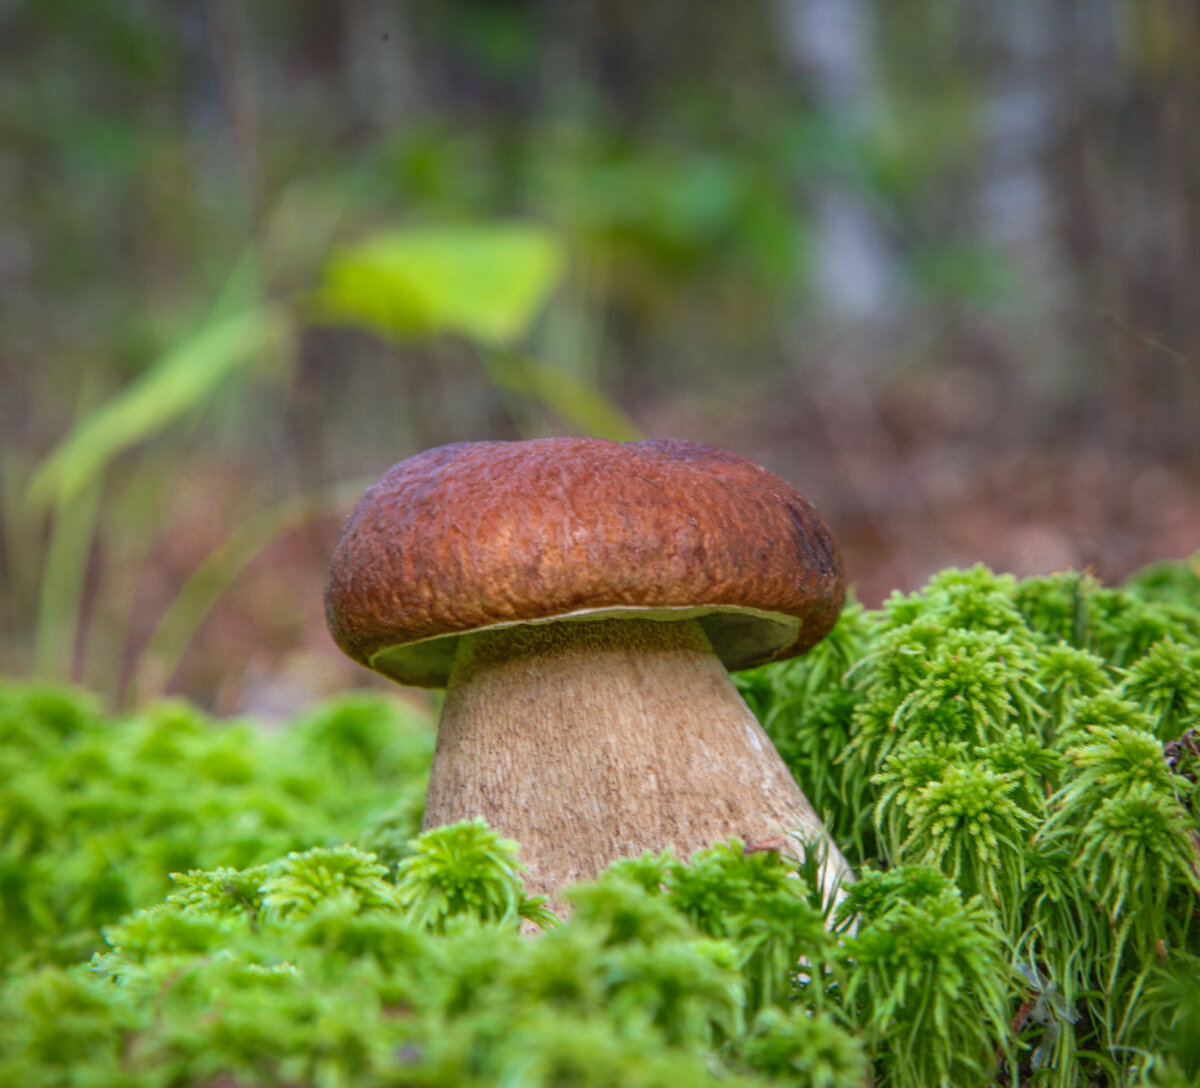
pixel 95 813
pixel 326 967
pixel 1032 742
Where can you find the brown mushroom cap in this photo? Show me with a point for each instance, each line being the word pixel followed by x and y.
pixel 476 535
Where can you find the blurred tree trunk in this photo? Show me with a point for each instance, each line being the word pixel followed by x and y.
pixel 1017 201
pixel 830 46
pixel 832 54
pixel 1151 205
pixel 382 81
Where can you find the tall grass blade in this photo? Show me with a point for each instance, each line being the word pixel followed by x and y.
pixel 180 381
pixel 60 605
pixel 174 632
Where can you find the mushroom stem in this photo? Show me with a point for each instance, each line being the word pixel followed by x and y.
pixel 587 741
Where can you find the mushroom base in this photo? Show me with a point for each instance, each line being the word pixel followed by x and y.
pixel 591 741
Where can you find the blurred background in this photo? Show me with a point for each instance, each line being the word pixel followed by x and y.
pixel 934 262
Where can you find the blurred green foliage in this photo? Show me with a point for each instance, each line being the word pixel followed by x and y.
pixel 485 283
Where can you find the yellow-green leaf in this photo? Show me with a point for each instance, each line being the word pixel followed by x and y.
pixel 484 282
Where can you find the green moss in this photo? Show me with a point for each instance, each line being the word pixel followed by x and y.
pixel 1031 741
pixel 95 813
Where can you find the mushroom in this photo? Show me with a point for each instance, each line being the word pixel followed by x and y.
pixel 581 601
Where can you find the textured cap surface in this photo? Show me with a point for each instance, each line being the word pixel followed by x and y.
pixel 475 535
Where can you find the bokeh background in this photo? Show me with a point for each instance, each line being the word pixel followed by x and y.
pixel 935 262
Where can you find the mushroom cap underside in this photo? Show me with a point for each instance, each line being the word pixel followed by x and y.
pixel 473 536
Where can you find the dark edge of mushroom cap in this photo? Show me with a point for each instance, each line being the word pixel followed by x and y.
pixel 470 536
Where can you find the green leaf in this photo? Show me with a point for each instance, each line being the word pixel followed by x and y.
pixel 484 282
pixel 181 380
